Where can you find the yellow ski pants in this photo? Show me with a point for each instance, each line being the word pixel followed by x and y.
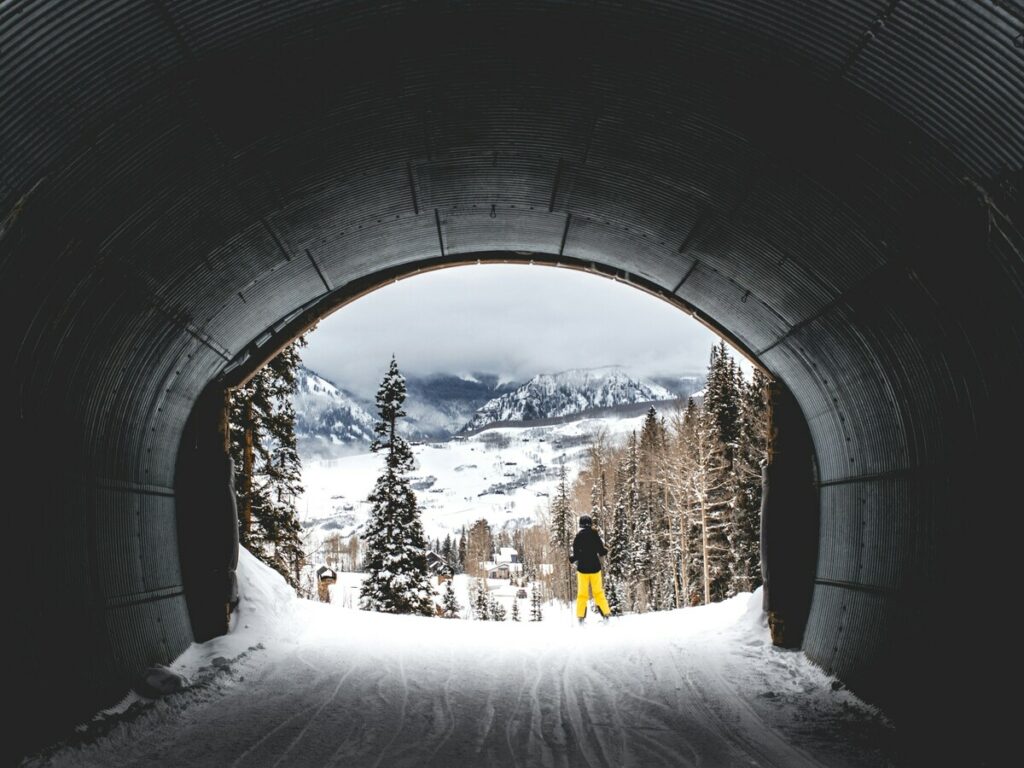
pixel 591 581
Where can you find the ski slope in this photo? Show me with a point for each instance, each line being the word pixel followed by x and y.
pixel 505 475
pixel 304 684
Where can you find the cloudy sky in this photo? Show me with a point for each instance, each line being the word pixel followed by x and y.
pixel 511 320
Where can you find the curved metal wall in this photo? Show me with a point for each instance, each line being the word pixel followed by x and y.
pixel 838 185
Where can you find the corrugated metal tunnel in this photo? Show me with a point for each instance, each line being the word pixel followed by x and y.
pixel 838 186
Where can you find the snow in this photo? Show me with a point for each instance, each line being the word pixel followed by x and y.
pixel 301 683
pixel 328 420
pixel 457 481
pixel 574 391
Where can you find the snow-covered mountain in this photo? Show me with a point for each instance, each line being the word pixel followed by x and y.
pixel 328 419
pixel 504 474
pixel 439 404
pixel 551 395
pixel 331 421
pixel 681 387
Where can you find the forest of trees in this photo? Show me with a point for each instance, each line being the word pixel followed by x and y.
pixel 268 471
pixel 678 504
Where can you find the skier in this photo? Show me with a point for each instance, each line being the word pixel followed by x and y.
pixel 587 548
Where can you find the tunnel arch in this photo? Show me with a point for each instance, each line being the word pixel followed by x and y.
pixel 840 188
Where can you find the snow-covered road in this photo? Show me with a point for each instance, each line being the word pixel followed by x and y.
pixel 334 687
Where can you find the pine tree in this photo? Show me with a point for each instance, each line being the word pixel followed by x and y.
pixel 515 609
pixel 497 610
pixel 627 499
pixel 268 471
pixel 599 512
pixel 611 594
pixel 686 566
pixel 721 399
pixel 709 481
pixel 397 579
pixel 450 554
pixel 691 530
pixel 597 471
pixel 657 578
pixel 561 521
pixel 751 454
pixel 462 551
pixel 481 601
pixel 722 409
pixel 535 604
pixel 641 559
pixel 450 607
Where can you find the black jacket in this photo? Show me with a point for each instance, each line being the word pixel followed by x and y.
pixel 585 550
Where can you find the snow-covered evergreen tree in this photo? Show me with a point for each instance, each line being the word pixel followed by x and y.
pixel 722 399
pixel 751 454
pixel 653 502
pixel 536 614
pixel 618 540
pixel 481 600
pixel 561 513
pixel 462 551
pixel 598 470
pixel 496 609
pixel 709 481
pixel 642 551
pixel 268 471
pixel 721 424
pixel 563 529
pixel 397 579
pixel 449 553
pixel 611 594
pixel 450 608
pixel 515 609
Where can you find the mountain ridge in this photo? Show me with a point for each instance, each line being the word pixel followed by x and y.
pixel 565 393
pixel 332 421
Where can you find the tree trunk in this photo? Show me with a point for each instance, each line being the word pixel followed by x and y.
pixel 675 584
pixel 704 546
pixel 684 548
pixel 247 462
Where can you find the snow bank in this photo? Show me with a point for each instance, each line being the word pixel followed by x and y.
pixel 266 614
pixel 265 599
pixel 302 683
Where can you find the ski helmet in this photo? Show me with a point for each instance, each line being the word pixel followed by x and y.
pixel 585 521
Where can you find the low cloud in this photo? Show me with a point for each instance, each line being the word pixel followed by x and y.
pixel 510 320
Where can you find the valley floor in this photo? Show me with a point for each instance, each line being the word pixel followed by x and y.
pixel 314 685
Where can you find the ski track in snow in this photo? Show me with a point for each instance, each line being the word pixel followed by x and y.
pixel 331 686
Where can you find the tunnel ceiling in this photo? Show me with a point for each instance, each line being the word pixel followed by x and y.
pixel 836 185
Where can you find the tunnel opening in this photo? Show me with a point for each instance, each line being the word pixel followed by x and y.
pixel 206 512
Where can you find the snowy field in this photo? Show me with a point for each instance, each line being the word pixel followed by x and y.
pixel 459 481
pixel 306 684
pixel 345 594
